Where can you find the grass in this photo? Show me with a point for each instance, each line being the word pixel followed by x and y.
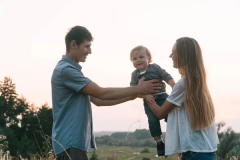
pixel 127 153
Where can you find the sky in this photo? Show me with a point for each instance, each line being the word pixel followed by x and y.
pixel 32 42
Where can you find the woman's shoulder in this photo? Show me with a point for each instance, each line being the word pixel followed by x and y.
pixel 180 84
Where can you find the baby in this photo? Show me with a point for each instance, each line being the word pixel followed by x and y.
pixel 141 59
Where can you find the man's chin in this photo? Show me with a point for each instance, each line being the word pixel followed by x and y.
pixel 83 60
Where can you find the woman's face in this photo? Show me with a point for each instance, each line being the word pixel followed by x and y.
pixel 174 55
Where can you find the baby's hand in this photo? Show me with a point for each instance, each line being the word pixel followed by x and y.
pixel 149 98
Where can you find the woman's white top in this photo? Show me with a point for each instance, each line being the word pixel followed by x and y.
pixel 180 137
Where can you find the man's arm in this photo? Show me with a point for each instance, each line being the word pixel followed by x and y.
pixel 144 87
pixel 99 102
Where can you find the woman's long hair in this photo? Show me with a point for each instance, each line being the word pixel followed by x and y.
pixel 197 99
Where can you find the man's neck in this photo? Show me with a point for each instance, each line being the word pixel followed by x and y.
pixel 70 56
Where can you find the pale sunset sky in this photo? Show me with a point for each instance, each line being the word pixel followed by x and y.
pixel 32 42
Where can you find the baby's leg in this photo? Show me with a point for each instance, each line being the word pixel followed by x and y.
pixel 153 122
pixel 155 129
pixel 157 138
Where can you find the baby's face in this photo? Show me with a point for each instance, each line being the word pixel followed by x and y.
pixel 140 60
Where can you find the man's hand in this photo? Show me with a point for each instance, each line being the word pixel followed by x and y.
pixel 148 87
pixel 149 98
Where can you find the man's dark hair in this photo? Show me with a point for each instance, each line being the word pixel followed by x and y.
pixel 79 34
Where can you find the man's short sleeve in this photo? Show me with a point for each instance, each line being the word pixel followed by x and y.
pixel 177 95
pixel 74 79
pixel 134 79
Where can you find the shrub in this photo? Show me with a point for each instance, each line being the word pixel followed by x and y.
pixel 94 156
pixel 145 150
pixel 119 135
pixel 229 143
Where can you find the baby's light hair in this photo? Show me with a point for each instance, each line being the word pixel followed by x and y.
pixel 139 48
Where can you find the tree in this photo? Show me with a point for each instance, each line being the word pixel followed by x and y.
pixel 142 134
pixel 12 141
pixel 26 146
pixel 46 119
pixel 119 135
pixel 45 122
pixel 24 126
pixel 8 103
pixel 229 142
pixel 9 110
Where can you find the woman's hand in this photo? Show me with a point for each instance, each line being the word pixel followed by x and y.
pixel 149 98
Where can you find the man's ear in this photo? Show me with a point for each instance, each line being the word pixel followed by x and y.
pixel 73 44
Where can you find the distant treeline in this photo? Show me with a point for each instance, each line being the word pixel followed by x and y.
pixel 139 138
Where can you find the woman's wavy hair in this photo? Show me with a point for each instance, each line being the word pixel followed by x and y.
pixel 197 99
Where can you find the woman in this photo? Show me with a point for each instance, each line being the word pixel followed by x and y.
pixel 190 128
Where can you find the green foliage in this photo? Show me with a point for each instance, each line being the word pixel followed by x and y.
pixel 229 143
pixel 142 134
pixel 8 103
pixel 3 142
pixel 119 135
pixel 12 141
pixel 236 151
pixel 148 143
pixel 94 156
pixel 26 146
pixel 25 127
pixel 146 158
pixel 145 150
pixel 128 139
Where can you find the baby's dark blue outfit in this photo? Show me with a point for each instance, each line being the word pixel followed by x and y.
pixel 154 71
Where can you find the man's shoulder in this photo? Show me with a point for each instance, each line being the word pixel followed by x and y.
pixel 63 65
pixel 62 68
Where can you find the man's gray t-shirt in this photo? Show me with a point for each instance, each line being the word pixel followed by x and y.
pixel 72 112
pixel 154 71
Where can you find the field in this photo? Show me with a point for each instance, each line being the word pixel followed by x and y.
pixel 126 153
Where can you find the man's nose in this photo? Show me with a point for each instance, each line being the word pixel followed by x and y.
pixel 90 51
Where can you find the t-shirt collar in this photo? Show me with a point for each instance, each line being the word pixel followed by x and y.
pixel 64 57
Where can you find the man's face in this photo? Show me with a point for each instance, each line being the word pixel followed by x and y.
pixel 80 52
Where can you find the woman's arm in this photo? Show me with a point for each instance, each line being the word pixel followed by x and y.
pixel 171 82
pixel 99 102
pixel 162 111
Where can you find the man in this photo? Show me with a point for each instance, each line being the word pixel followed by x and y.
pixel 72 92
